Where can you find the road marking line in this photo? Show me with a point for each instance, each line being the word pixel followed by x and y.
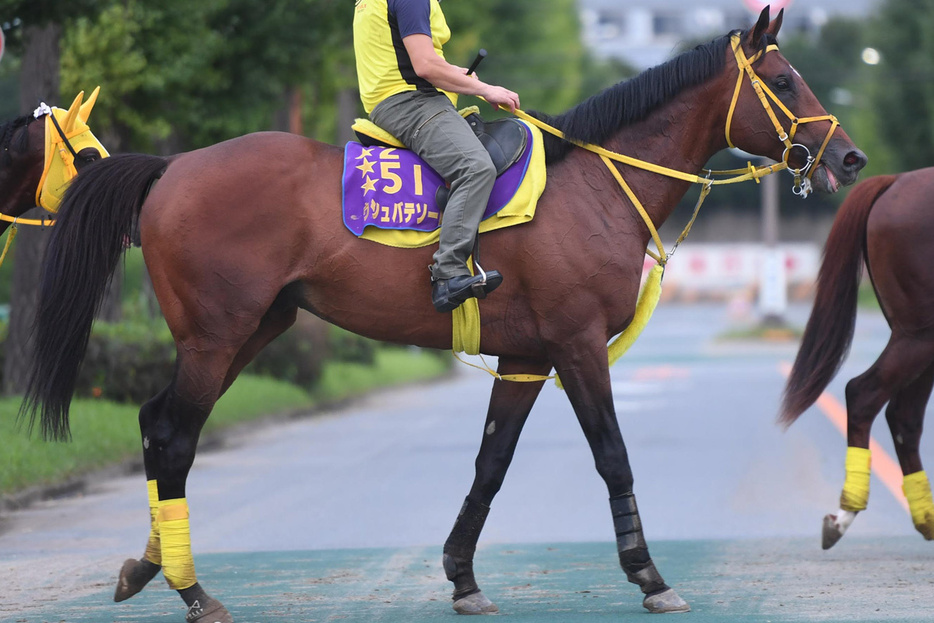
pixel 884 466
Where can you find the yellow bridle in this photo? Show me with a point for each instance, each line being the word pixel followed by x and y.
pixel 803 175
pixel 651 290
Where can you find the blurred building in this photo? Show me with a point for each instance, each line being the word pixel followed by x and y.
pixel 644 33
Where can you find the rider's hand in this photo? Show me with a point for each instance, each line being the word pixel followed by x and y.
pixel 502 98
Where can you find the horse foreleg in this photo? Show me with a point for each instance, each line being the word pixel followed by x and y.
pixel 586 377
pixel 905 416
pixel 510 404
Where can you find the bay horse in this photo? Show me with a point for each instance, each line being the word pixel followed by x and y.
pixel 885 223
pixel 240 235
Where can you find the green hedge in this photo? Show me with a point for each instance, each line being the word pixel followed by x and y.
pixel 127 362
pixel 131 361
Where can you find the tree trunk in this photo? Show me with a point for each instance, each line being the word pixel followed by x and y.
pixel 38 82
pixel 348 104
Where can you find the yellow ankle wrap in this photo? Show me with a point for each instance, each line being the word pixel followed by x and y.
pixel 855 494
pixel 918 492
pixel 154 547
pixel 178 566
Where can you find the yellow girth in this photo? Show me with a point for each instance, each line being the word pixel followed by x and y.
pixel 58 172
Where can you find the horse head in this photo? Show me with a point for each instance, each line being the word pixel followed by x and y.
pixel 22 144
pixel 41 153
pixel 769 93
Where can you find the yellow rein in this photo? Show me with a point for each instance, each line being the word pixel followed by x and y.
pixel 623 341
pixel 18 221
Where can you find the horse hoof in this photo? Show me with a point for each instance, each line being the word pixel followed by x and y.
pixel 664 602
pixel 831 532
pixel 208 610
pixel 134 576
pixel 926 530
pixel 477 603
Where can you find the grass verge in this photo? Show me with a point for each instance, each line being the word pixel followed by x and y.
pixel 106 434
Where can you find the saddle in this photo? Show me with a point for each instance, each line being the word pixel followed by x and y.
pixel 504 139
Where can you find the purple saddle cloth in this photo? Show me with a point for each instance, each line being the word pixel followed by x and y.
pixel 392 188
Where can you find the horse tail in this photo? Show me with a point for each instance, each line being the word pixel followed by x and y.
pixel 94 224
pixel 829 331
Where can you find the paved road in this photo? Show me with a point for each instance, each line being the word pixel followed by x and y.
pixel 342 515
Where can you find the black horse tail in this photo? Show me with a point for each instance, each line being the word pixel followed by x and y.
pixel 829 331
pixel 94 224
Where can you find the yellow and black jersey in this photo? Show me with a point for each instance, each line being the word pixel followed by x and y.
pixel 383 65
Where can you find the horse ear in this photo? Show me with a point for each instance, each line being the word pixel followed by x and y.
pixel 776 24
pixel 762 25
pixel 85 111
pixel 68 122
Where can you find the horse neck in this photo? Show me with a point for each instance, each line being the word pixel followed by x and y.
pixel 682 135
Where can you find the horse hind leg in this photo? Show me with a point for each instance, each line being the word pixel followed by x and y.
pixel 135 574
pixel 510 405
pixel 905 416
pixel 896 368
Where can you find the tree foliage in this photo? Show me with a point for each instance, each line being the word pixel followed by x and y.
pixel 903 97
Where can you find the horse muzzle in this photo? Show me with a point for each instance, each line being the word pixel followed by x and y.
pixel 838 168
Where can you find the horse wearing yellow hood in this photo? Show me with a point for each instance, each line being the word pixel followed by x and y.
pixel 68 136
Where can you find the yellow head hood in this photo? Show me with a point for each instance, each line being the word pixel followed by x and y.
pixel 64 128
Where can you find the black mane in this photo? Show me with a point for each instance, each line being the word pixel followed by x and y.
pixel 7 130
pixel 599 117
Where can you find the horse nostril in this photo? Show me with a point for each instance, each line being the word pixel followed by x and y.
pixel 855 159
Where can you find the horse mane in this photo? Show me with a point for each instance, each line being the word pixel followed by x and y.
pixel 7 130
pixel 596 119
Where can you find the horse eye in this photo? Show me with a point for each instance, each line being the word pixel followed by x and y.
pixel 782 83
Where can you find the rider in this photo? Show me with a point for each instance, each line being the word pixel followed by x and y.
pixel 409 90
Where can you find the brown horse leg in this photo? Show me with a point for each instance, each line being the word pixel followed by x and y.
pixel 585 374
pixel 136 574
pixel 897 367
pixel 905 416
pixel 277 320
pixel 510 404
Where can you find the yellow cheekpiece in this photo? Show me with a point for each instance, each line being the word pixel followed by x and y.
pixel 855 494
pixel 59 171
pixel 178 566
pixel 918 493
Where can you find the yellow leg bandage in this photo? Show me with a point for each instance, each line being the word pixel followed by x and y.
pixel 855 494
pixel 918 492
pixel 154 546
pixel 178 566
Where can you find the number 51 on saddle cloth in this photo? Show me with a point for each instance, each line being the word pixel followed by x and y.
pixel 390 194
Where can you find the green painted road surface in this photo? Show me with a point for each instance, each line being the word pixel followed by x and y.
pixel 764 581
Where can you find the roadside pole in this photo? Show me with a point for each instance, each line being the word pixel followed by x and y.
pixel 773 282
